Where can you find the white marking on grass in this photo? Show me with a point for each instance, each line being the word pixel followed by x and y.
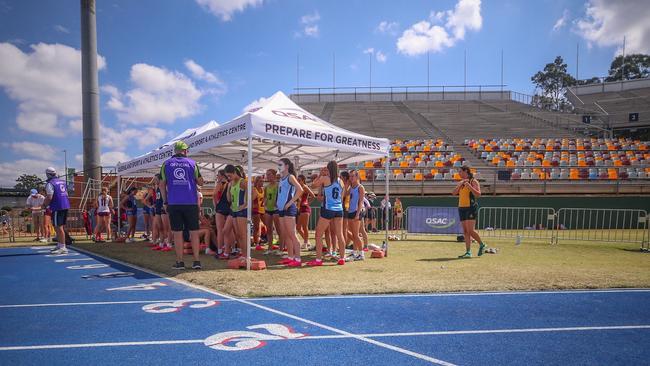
pixel 278 312
pixel 89 303
pixel 334 336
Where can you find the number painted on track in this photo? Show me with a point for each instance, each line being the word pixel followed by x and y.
pixel 172 307
pixel 63 255
pixel 88 266
pixel 70 260
pixel 108 275
pixel 246 340
pixel 139 287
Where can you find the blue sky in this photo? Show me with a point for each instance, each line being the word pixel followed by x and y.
pixel 170 65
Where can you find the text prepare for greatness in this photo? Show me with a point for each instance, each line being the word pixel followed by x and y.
pixel 322 136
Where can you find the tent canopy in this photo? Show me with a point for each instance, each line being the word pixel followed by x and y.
pixel 278 128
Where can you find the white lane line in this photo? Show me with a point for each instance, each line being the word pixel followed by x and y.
pixel 107 344
pixel 449 294
pixel 92 303
pixel 334 336
pixel 287 315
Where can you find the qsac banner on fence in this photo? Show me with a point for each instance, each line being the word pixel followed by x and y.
pixel 433 220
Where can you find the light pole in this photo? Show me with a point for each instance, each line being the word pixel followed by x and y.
pixel 65 162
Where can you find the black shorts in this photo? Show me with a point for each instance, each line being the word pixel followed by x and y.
pixel 370 213
pixel 291 212
pixel 352 215
pixel 241 213
pixel 271 212
pixel 159 211
pixel 467 213
pixel 329 214
pixel 59 217
pixel 224 212
pixel 183 217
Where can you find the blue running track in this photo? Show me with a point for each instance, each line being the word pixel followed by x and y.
pixel 81 309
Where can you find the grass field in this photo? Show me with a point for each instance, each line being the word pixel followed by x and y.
pixel 416 266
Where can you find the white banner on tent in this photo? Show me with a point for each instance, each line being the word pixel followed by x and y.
pixel 234 130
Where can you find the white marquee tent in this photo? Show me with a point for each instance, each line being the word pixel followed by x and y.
pixel 259 137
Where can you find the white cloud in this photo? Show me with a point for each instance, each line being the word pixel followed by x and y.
pixel 606 23
pixel 255 104
pixel 61 29
pixel 76 125
pixel 120 139
pixel 381 57
pixel 158 96
pixel 11 170
pixel 309 23
pixel 425 36
pixel 45 82
pixel 111 158
pixel 561 22
pixel 33 149
pixel 224 9
pixel 198 72
pixel 386 27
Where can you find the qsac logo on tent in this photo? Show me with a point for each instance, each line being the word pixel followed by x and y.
pixel 440 222
pixel 294 113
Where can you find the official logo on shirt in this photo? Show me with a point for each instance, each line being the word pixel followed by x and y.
pixel 179 173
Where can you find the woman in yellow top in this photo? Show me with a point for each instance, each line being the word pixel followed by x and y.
pixel 468 190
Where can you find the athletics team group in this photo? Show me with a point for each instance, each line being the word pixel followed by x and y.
pixel 175 206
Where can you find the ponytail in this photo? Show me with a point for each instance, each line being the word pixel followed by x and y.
pixel 333 169
pixel 287 162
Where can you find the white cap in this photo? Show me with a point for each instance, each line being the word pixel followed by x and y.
pixel 50 171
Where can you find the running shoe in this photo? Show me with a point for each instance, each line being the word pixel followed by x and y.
pixel 179 266
pixel 157 247
pixel 481 248
pixel 43 240
pixel 274 247
pixel 57 247
pixel 224 256
pixel 196 265
pixel 314 263
pixel 285 261
pixel 259 247
pixel 60 251
pixel 340 262
pixel 359 257
pixel 166 249
pixel 466 255
pixel 130 240
pixel 294 263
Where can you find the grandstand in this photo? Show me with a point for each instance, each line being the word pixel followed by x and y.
pixel 512 146
pixel 610 104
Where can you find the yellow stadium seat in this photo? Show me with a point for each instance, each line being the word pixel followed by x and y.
pixel 369 164
pixel 404 164
pixel 419 176
pixel 362 174
pixel 456 176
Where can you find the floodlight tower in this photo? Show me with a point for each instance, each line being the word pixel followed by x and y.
pixel 90 92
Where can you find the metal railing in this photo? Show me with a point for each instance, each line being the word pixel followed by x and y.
pixel 566 224
pixel 516 222
pixel 400 93
pixel 603 225
pixel 19 226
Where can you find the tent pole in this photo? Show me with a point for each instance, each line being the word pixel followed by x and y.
pixel 249 208
pixel 387 170
pixel 119 213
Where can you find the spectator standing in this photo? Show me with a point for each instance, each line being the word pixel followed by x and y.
pixel 34 203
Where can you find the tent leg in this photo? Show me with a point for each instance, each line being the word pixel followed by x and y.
pixel 387 170
pixel 119 213
pixel 249 206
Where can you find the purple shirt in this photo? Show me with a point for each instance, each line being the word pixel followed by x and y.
pixel 59 195
pixel 180 173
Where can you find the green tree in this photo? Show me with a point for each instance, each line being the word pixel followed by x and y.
pixel 551 84
pixel 636 66
pixel 29 181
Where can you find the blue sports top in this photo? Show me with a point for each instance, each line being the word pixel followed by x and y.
pixel 354 198
pixel 286 190
pixel 332 199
